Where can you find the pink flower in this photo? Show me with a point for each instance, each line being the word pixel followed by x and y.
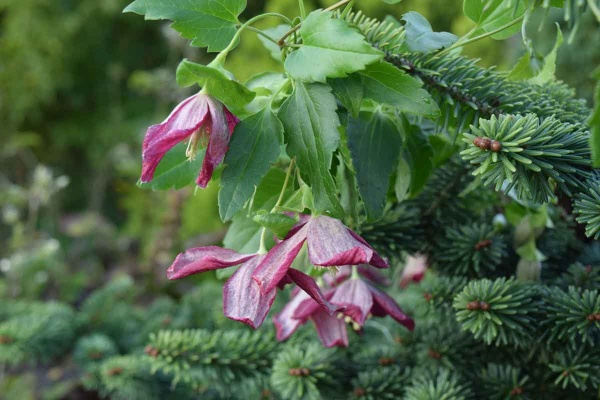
pixel 414 270
pixel 357 298
pixel 242 299
pixel 196 118
pixel 329 242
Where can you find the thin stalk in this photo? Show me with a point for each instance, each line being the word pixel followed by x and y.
pixel 302 9
pixel 296 27
pixel 483 36
pixel 285 182
pixel 595 9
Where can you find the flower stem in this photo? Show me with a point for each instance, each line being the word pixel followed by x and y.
pixel 595 9
pixel 262 249
pixel 220 58
pixel 285 182
pixel 482 36
pixel 296 27
pixel 354 272
pixel 302 9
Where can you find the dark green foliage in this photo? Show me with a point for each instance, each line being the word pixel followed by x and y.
pixel 306 371
pixel 500 312
pixel 576 368
pixel 580 276
pixel 443 385
pixel 499 382
pixel 529 153
pixel 211 361
pixel 92 350
pixel 39 333
pixel 440 291
pixel 470 250
pixel 587 205
pixel 573 315
pixel 380 383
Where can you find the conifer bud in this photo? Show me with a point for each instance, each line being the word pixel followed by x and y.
pixel 482 142
pixel 495 146
pixel 484 306
pixel 473 305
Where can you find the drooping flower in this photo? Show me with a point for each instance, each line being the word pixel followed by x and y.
pixel 329 243
pixel 357 300
pixel 414 270
pixel 197 118
pixel 242 298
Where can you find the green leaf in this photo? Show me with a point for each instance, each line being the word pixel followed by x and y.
pixel 418 154
pixel 594 122
pixel 523 69
pixel 234 95
pixel 442 148
pixel 490 15
pixel 175 170
pixel 253 148
pixel 208 23
pixel 387 84
pixel 349 91
pixel 311 131
pixel 375 145
pixel 279 224
pixel 549 68
pixel 420 37
pixel 275 33
pixel 269 189
pixel 243 235
pixel 331 49
pixel 402 185
pixel 392 1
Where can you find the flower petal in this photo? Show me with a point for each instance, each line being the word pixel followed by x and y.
pixel 220 130
pixel 183 121
pixel 376 260
pixel 310 306
pixel 285 323
pixel 354 292
pixel 242 298
pixel 309 285
pixel 373 275
pixel 384 305
pixel 331 330
pixel 330 243
pixel 414 270
pixel 202 259
pixel 276 263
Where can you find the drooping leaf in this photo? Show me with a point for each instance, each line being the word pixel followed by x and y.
pixel 418 154
pixel 549 68
pixel 387 84
pixel 442 148
pixel 231 93
pixel 349 91
pixel 331 48
pixel 490 15
pixel 402 184
pixel 254 146
pixel 175 171
pixel 594 123
pixel 311 132
pixel 278 223
pixel 208 23
pixel 375 145
pixel 275 33
pixel 420 37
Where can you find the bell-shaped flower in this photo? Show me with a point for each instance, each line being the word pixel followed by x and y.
pixel 197 118
pixel 356 298
pixel 242 298
pixel 329 243
pixel 414 270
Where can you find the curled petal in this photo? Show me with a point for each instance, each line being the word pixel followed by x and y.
pixel 330 243
pixel 285 323
pixel 219 131
pixel 309 285
pixel 384 305
pixel 202 259
pixel 376 260
pixel 183 121
pixel 242 298
pixel 355 295
pixel 277 261
pixel 331 330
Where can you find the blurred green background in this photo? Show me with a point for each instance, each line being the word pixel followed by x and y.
pixel 79 84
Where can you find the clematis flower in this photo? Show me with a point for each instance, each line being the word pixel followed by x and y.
pixel 329 243
pixel 357 298
pixel 197 118
pixel 242 298
pixel 414 270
